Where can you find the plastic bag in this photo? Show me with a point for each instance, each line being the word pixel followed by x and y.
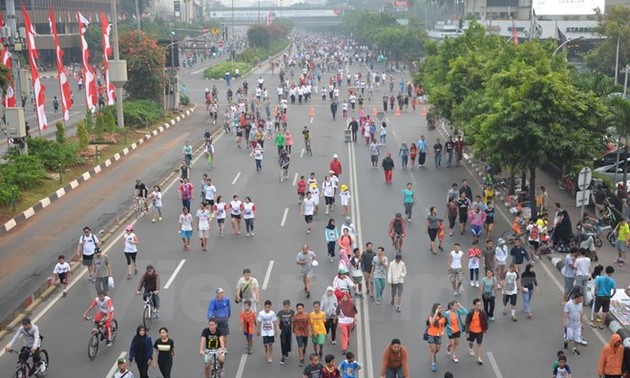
pixel 110 282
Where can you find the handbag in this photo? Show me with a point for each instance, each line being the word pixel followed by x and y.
pixel 239 297
pixel 425 335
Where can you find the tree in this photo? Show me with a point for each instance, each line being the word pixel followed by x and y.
pixel 145 66
pixel 614 25
pixel 619 119
pixel 60 133
pixel 259 36
pixel 4 80
pixel 83 135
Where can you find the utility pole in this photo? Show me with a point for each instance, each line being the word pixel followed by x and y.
pixel 117 68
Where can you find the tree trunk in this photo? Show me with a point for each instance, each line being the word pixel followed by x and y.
pixel 532 191
pixel 512 183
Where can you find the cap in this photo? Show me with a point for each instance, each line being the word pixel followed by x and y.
pixel 150 267
pixel 26 320
pixel 331 172
pixel 344 187
pixel 122 360
pixel 313 185
pixel 398 256
pixel 219 290
pixel 129 227
pixel 335 156
pixel 500 241
pixel 348 219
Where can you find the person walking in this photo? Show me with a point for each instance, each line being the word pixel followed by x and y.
pixel 130 248
pixel 88 244
pixel 454 328
pixel 185 193
pixel 611 358
pixel 379 264
pixel 435 329
pixel 258 156
pixel 247 288
pixel 102 271
pixel 403 152
pixel 432 228
pixel 422 151
pixel 306 260
pixel 279 142
pixel 164 347
pixel 374 153
pixel 572 321
pixel 488 292
pixel 396 273
pixel 408 200
pixel 511 288
pixel 345 316
pixel 605 288
pixel 367 262
pixel 285 322
pixel 528 285
pixel 249 214
pixel 203 225
pixel 185 227
pixel 141 350
pixel 437 150
pixel 388 167
pixel 331 233
pixel 220 310
pixel 476 326
pixel 455 266
pixel 329 305
pixel 156 203
pixel 395 361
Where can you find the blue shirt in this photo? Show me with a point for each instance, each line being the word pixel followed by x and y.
pixel 408 195
pixel 219 308
pixel 349 369
pixel 422 146
pixel 605 286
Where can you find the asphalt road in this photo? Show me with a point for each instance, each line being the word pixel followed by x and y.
pixel 512 349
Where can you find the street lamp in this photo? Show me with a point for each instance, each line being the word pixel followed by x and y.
pixel 565 43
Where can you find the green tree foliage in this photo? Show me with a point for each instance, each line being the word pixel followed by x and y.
pixel 145 66
pixel 259 36
pixel 52 154
pixel 518 105
pixel 615 23
pixel 60 133
pixel 83 135
pixel 4 81
pixel 381 29
pixel 22 171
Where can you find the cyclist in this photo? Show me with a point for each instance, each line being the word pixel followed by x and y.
pixel 518 225
pixel 32 342
pixel 397 231
pixel 212 341
pixel 284 162
pixel 140 193
pixel 105 309
pixel 151 282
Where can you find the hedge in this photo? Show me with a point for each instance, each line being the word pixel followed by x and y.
pixel 140 113
pixel 53 154
pixel 218 71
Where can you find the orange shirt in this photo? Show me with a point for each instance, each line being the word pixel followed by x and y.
pixel 453 321
pixel 439 330
pixel 475 323
pixel 248 320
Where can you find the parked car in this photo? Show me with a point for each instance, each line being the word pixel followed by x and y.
pixel 610 158
pixel 609 169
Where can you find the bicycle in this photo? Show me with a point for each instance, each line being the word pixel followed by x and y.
pixel 149 312
pixel 307 147
pixel 284 172
pixel 215 367
pixel 566 183
pixel 509 236
pixel 140 206
pixel 25 369
pixel 98 334
pixel 397 241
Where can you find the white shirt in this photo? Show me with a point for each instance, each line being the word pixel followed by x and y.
pixel 315 197
pixel 220 210
pixel 61 268
pixel 501 254
pixel 309 206
pixel 345 198
pixel 343 284
pixel 186 222
pixel 125 374
pixel 456 259
pixel 89 243
pixel 329 188
pixel 204 219
pixel 210 191
pixel 582 266
pixel 156 198
pixel 129 246
pixel 248 210
pixel 258 153
pixel 235 207
pixel 266 320
pixel 105 305
pixel 510 286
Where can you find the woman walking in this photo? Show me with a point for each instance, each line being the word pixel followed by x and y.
pixel 454 327
pixel 408 200
pixel 404 155
pixel 141 350
pixel 156 203
pixel 165 349
pixel 249 214
pixel 329 307
pixel 451 215
pixel 433 226
pixel 185 228
pixel 219 213
pixel 332 235
pixel 258 156
pixel 489 223
pixel 288 138
pixel 413 152
pixel 528 285
pixel 346 312
pixel 130 241
pixel 488 292
pixel 435 330
pixel 236 215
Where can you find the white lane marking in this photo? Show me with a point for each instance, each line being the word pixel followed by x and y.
pixel 302 153
pixel 495 366
pixel 236 178
pixel 284 217
pixel 172 278
pixel 267 275
pixel 241 366
pixel 115 366
pixel 295 179
pixel 81 273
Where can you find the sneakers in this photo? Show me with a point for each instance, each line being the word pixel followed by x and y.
pixel 301 364
pixel 252 233
pixel 472 283
pixel 476 283
pixel 504 311
pixel 575 351
pixel 492 318
pixel 392 303
pixel 282 361
pixel 269 360
pixel 529 315
pixel 330 258
pixel 378 302
pixel 160 219
pixel 247 234
pixel 397 308
pixel 455 359
pixel 513 318
pixel 334 342
pixel 433 366
pixel 157 314
pixel 471 352
pixel 109 343
pixel 249 350
pixel 308 294
pixel 582 342
pixel 63 294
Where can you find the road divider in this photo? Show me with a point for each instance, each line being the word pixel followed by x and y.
pixel 172 278
pixel 284 217
pixel 495 366
pixel 267 275
pixel 241 366
pixel 236 178
pixel 295 177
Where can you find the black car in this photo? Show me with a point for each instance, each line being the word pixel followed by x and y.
pixel 610 158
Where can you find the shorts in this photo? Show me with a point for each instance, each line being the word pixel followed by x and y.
pixel 568 284
pixel 220 220
pixel 63 277
pixel 573 333
pixel 437 340
pixel 475 229
pixel 329 200
pixel 131 257
pixel 456 275
pixel 357 280
pixel 374 158
pixel 308 219
pixel 185 233
pixel 207 358
pixel 534 243
pixel 87 260
pixel 433 233
pixel 318 339
pixel 397 288
pixel 223 326
pixel 268 340
pixel 235 216
pixel 476 337
pixel 307 274
pixel 203 234
pixel 510 298
pixel 209 202
pixel 621 245
pixel 455 335
pixel 602 303
pixel 302 341
pixel 463 218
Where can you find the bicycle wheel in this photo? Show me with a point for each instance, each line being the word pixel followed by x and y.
pixel 508 236
pixel 20 372
pixel 114 330
pixel 612 237
pixel 93 345
pixel 43 356
pixel 562 184
pixel 598 241
pixel 147 317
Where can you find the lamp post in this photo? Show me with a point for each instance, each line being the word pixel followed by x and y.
pixel 617 59
pixel 564 44
pixel 232 47
pixel 624 96
pixel 117 68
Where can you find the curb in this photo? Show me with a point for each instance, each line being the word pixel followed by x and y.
pixel 45 202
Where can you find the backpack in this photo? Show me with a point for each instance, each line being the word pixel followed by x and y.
pixel 397 226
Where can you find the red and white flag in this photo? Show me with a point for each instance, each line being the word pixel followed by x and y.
pixel 38 88
pixel 514 33
pixel 106 27
pixel 64 84
pixel 8 100
pixel 89 78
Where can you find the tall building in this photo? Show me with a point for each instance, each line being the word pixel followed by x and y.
pixel 522 9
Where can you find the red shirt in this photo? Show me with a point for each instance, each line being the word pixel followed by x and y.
pixel 335 166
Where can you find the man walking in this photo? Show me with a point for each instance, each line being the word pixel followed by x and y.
pixel 605 288
pixel 476 325
pixel 220 309
pixel 306 259
pixel 379 264
pixel 88 243
pixel 395 277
